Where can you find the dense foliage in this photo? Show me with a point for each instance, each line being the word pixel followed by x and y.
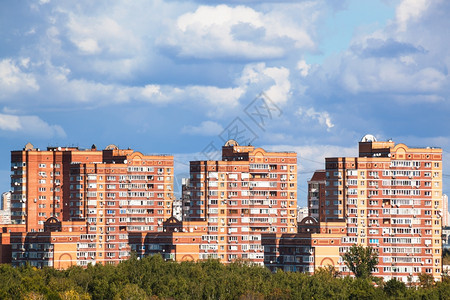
pixel 361 260
pixel 153 278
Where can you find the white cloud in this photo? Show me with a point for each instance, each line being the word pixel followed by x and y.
pixel 303 67
pixel 89 46
pixel 235 32
pixel 14 79
pixel 30 126
pixel 207 96
pixel 208 128
pixel 151 91
pixel 410 10
pixel 280 91
pixel 406 59
pixel 274 81
pixel 93 35
pixel 389 75
pixel 217 96
pixel 9 122
pixel 323 117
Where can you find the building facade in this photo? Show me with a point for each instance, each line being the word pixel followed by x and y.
pixel 110 192
pixel 5 210
pixel 74 206
pixel 391 198
pixel 316 193
pixel 248 193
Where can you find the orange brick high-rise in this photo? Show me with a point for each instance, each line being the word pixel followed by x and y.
pixel 391 198
pixel 93 198
pixel 248 193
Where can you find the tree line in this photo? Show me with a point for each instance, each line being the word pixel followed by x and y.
pixel 154 278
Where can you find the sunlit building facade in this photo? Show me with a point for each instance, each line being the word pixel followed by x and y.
pixel 390 197
pixel 248 193
pixel 96 197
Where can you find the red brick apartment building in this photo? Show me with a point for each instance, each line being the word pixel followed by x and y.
pixel 231 203
pixel 248 193
pixel 316 193
pixel 74 206
pixel 94 199
pixel 390 198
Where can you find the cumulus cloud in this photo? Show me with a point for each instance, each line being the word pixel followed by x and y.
pixel 213 98
pixel 15 78
pixel 30 126
pixel 9 122
pixel 274 81
pixel 279 92
pixel 303 67
pixel 374 76
pixel 92 35
pixel 58 83
pixel 406 59
pixel 217 96
pixel 220 101
pixel 410 10
pixel 323 117
pixel 234 32
pixel 207 128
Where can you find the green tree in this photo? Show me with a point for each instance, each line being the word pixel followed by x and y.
pixel 131 292
pixel 426 280
pixel 361 260
pixel 395 288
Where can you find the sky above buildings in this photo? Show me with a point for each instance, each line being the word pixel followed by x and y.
pixel 182 77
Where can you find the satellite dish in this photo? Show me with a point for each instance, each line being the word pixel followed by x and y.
pixel 368 138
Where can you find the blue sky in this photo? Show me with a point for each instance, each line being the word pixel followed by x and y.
pixel 179 77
